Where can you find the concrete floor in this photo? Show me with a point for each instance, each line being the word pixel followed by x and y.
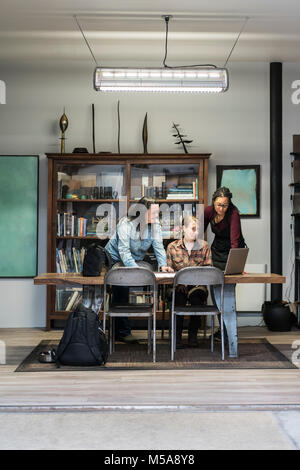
pixel 151 430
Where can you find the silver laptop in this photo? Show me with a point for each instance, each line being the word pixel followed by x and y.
pixel 236 260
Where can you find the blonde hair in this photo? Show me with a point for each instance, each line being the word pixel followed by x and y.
pixel 188 219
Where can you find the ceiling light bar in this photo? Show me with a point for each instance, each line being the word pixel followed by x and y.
pixel 186 80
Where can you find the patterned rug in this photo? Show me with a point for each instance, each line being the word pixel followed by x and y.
pixel 253 354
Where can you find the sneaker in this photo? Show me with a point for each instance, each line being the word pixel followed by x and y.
pixel 128 339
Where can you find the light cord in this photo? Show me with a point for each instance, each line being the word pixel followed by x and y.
pixel 235 43
pixel 86 41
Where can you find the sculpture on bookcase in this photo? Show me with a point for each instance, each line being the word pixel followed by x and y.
pixel 63 124
pixel 180 138
pixel 145 134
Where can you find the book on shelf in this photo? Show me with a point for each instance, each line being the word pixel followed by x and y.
pixel 183 191
pixel 74 299
pixel 69 225
pixel 70 259
pixel 68 298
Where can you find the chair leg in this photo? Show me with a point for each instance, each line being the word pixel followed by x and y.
pixel 212 333
pixel 222 337
pixel 114 334
pixel 205 328
pixel 110 335
pixel 172 336
pixel 154 340
pixel 149 335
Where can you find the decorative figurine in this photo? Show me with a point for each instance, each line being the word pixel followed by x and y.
pixel 63 124
pixel 145 134
pixel 180 137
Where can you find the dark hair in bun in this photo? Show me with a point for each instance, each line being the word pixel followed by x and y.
pixel 222 192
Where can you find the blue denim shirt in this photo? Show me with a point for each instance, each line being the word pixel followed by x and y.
pixel 127 244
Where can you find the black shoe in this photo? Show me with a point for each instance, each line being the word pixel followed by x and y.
pixel 192 339
pixel 217 337
pixel 193 343
pixel 128 339
pixel 179 343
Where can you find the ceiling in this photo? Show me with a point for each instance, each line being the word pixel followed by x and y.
pixel 199 31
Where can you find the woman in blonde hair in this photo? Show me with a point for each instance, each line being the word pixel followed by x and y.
pixel 186 252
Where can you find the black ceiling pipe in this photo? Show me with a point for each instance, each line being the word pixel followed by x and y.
pixel 276 174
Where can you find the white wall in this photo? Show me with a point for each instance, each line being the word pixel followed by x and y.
pixel 234 127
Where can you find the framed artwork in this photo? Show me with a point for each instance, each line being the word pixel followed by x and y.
pixel 19 176
pixel 244 184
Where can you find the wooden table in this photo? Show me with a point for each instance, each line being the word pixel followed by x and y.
pixel 230 320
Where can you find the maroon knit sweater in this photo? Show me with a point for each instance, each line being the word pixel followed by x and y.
pixel 233 220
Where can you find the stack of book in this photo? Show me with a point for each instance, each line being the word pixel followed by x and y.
pixel 183 191
pixel 69 225
pixel 69 260
pixel 68 299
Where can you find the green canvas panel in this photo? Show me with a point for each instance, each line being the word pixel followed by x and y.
pixel 18 215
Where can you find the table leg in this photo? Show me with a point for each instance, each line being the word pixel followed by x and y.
pixel 230 320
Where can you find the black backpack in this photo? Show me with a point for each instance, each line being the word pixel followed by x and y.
pixel 95 258
pixel 83 342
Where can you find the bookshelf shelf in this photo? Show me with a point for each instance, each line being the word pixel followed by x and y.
pixel 79 184
pixel 180 201
pixel 81 238
pixel 88 200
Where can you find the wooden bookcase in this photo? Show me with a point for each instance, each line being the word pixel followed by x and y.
pixel 80 184
pixel 296 216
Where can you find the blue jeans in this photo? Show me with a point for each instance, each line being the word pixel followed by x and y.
pixel 213 297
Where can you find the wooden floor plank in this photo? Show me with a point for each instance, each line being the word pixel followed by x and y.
pixel 146 388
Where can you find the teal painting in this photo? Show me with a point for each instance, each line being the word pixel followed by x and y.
pixel 244 184
pixel 18 215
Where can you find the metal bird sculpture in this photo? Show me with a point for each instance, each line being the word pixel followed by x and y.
pixel 180 136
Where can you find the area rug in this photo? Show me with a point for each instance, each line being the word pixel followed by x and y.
pixel 253 354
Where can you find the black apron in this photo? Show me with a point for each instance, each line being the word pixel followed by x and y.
pixel 221 245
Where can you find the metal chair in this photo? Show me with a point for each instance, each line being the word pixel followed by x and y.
pixel 133 277
pixel 202 275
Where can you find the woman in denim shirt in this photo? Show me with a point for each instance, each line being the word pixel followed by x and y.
pixel 128 246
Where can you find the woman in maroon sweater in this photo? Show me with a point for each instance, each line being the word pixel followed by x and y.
pixel 225 223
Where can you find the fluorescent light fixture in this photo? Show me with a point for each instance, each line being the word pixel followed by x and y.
pixel 186 80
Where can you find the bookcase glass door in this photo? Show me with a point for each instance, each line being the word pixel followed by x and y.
pixel 90 182
pixel 165 182
pixel 68 298
pixel 85 193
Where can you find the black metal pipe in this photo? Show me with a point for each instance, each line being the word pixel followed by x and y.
pixel 276 174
